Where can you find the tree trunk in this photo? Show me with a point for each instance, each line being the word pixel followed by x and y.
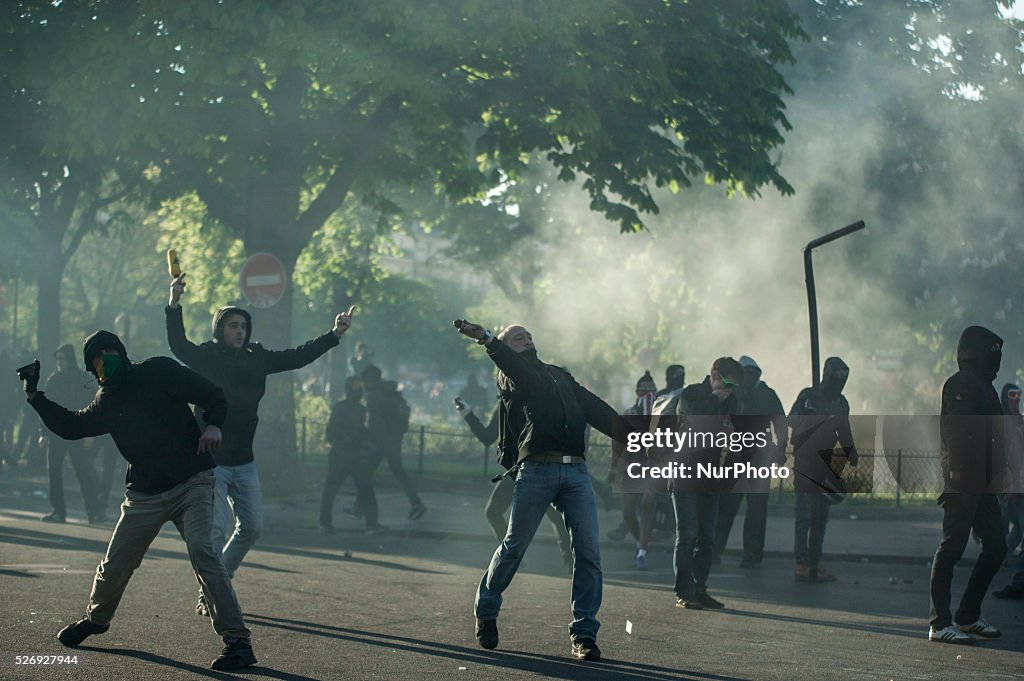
pixel 50 271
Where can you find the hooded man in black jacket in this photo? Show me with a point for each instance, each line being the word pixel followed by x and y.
pixel 145 407
pixel 346 433
pixel 974 470
pixel 240 368
pixel 544 413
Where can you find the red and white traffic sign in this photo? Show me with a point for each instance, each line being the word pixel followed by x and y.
pixel 263 280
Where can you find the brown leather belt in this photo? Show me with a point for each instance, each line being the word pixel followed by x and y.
pixel 556 457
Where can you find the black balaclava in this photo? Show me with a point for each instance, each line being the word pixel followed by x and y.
pixel 354 388
pixel 751 372
pixel 833 377
pixel 980 352
pixel 218 319
pixel 675 376
pixel 98 341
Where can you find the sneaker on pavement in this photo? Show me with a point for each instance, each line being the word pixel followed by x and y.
pixel 750 562
pixel 980 628
pixel 1010 592
pixel 202 609
pixel 74 634
pixel 353 512
pixel 640 562
pixel 375 529
pixel 690 603
pixel 417 511
pixel 802 573
pixel 235 655
pixel 949 634
pixel 819 575
pixel 586 649
pixel 327 528
pixel 487 633
pixel 54 517
pixel 707 601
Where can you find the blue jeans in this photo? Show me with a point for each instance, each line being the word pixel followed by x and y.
pixel 696 516
pixel 567 488
pixel 238 503
pixel 809 527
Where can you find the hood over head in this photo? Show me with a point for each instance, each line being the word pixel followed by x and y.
pixel 66 351
pixel 218 319
pixel 751 372
pixel 98 341
pixel 833 376
pixel 675 376
pixel 1011 406
pixel 980 352
pixel 353 387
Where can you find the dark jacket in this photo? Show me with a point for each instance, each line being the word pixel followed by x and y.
pixel 759 409
pixel 486 434
pixel 145 407
pixel 387 414
pixel 543 409
pixel 242 373
pixel 700 411
pixel 972 437
pixel 820 419
pixel 346 429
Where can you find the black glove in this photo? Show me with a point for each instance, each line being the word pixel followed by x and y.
pixel 29 375
pixel 461 406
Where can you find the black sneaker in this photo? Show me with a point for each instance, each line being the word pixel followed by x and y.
pixel 707 601
pixel 487 633
pixel 690 603
pixel 417 511
pixel 750 562
pixel 235 655
pixel 74 634
pixel 54 517
pixel 586 649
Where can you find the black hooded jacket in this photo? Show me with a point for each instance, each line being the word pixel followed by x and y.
pixel 242 373
pixel 346 429
pixel 972 443
pixel 145 407
pixel 543 408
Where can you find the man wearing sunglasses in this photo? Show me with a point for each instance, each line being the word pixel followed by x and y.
pixel 705 407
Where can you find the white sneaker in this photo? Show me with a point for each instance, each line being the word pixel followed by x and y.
pixel 949 634
pixel 980 628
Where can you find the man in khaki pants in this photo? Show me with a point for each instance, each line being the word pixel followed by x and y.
pixel 145 407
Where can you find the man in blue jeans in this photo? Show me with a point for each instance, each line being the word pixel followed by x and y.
pixel 241 369
pixel 542 418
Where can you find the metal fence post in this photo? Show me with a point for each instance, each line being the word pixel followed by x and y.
pixel 899 475
pixel 302 442
pixel 423 440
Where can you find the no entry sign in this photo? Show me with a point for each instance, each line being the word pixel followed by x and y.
pixel 263 280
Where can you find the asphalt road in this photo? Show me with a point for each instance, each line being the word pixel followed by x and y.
pixel 399 606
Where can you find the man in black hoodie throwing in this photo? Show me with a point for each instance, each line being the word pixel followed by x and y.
pixel 972 449
pixel 240 368
pixel 543 415
pixel 145 407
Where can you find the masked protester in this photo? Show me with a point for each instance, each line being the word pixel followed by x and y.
pixel 974 468
pixel 73 388
pixel 346 434
pixel 820 419
pixel 544 413
pixel 145 407
pixel 706 407
pixel 241 368
pixel 759 409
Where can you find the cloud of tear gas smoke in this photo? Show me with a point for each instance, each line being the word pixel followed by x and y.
pixel 717 276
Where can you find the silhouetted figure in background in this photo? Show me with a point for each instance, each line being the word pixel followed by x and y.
pixel 74 389
pixel 387 419
pixel 346 433
pixel 820 419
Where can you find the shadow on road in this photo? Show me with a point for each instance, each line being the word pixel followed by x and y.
pixel 543 665
pixel 306 553
pixel 153 658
